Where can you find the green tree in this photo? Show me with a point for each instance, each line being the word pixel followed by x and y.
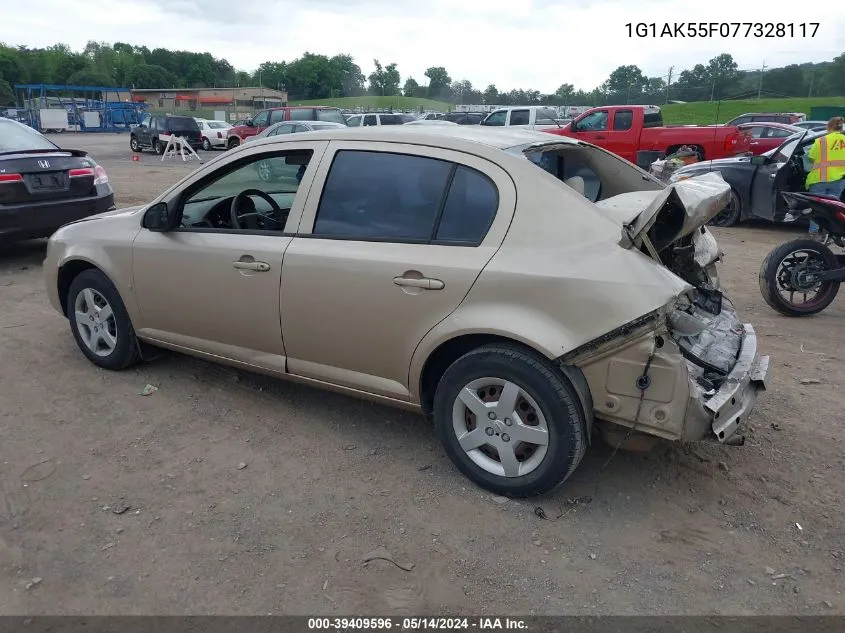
pixel 7 95
pixel 94 78
pixel 411 87
pixel 438 82
pixel 490 96
pixel 626 81
pixel 150 76
pixel 384 80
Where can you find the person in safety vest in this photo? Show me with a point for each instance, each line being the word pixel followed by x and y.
pixel 827 176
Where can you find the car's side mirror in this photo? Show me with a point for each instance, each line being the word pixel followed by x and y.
pixel 249 123
pixel 759 160
pixel 157 218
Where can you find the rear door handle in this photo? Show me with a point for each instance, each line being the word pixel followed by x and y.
pixel 601 136
pixel 419 282
pixel 260 267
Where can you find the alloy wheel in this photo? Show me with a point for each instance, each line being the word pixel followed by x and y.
pixel 95 322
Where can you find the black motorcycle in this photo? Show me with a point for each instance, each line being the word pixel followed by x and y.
pixel 802 277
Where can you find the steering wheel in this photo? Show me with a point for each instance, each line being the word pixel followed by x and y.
pixel 255 217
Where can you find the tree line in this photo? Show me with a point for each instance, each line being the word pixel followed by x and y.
pixel 314 76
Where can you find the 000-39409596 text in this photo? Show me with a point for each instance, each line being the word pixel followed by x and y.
pixel 722 29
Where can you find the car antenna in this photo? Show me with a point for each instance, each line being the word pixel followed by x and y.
pixel 715 130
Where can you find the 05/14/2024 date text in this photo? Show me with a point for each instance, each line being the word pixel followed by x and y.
pixel 722 29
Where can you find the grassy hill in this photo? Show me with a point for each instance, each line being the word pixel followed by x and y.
pixel 372 102
pixel 708 112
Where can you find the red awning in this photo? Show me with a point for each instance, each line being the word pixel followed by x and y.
pixel 185 97
pixel 215 100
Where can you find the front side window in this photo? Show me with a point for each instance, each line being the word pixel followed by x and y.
pixel 383 196
pixel 261 119
pixel 593 122
pixel 520 117
pixel 497 118
pixel 776 132
pixel 354 121
pixel 276 176
pixel 277 116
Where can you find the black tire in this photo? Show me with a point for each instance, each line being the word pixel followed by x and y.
pixel 772 279
pixel 125 352
pixel 558 401
pixel 730 215
pixel 206 144
pixel 134 145
pixel 233 142
pixel 158 147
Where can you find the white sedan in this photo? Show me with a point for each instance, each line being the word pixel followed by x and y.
pixel 214 133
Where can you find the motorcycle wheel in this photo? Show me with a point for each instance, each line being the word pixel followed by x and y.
pixel 783 277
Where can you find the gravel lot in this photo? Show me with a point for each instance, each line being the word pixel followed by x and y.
pixel 328 480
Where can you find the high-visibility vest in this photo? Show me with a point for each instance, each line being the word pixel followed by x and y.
pixel 830 165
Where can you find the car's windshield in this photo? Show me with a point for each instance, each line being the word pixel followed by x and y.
pixel 217 125
pixel 16 137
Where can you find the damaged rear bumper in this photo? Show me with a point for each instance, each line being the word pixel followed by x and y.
pixel 729 407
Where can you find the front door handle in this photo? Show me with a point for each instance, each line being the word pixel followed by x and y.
pixel 601 136
pixel 419 282
pixel 260 267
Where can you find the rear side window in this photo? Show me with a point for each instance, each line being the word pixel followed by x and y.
pixel 181 124
pixel 277 116
pixel 376 195
pixel 653 119
pixel 400 197
pixel 389 119
pixel 470 207
pixel 302 114
pixel 331 115
pixel 623 120
pixel 520 117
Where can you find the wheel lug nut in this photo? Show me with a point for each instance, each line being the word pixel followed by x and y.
pixel 490 430
pixel 491 415
pixel 508 422
pixel 506 437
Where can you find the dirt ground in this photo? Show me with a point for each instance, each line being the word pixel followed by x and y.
pixel 684 530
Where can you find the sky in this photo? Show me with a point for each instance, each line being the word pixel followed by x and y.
pixel 528 44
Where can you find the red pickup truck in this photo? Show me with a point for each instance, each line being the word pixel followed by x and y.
pixel 637 134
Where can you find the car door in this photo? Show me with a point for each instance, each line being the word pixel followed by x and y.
pixel 214 289
pixel 618 136
pixel 772 178
pixel 370 119
pixel 372 268
pixel 593 127
pixel 143 130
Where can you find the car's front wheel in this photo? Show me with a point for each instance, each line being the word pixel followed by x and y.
pixel 510 420
pixel 730 215
pixel 100 323
pixel 134 145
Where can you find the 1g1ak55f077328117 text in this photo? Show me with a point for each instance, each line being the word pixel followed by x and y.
pixel 722 29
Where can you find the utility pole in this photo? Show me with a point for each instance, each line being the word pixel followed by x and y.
pixel 760 89
pixel 713 88
pixel 669 82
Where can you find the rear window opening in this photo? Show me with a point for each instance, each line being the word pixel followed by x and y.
pixel 182 124
pixel 595 174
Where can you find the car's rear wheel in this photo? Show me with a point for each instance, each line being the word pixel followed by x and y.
pixel 206 144
pixel 134 145
pixel 510 420
pixel 158 147
pixel 100 323
pixel 730 215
